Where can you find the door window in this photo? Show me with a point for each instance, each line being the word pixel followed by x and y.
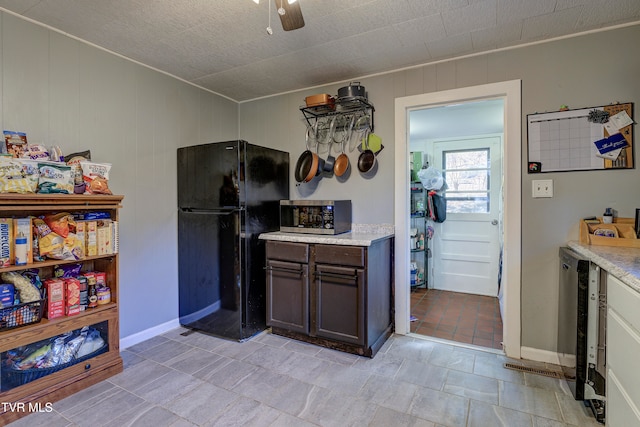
pixel 467 174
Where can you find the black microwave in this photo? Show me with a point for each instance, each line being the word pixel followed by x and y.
pixel 315 216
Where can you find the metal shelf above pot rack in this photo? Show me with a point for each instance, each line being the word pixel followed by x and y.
pixel 360 106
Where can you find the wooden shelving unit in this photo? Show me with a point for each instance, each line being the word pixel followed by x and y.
pixel 67 381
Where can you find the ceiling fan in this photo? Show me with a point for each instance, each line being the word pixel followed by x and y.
pixel 289 13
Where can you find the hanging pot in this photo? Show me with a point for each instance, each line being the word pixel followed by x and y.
pixel 323 99
pixel 353 91
pixel 329 163
pixel 367 159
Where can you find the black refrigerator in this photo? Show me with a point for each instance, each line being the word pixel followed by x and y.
pixel 228 193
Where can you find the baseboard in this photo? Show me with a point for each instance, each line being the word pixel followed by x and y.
pixel 138 337
pixel 546 356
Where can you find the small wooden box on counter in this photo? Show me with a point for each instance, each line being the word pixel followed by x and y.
pixel 624 226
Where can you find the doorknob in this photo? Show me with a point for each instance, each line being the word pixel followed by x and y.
pixel 494 222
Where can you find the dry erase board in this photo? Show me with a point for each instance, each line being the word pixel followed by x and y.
pixel 566 140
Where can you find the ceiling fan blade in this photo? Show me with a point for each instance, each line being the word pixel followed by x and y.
pixel 292 18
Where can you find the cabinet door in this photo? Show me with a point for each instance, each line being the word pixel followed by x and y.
pixel 623 347
pixel 288 295
pixel 620 410
pixel 340 313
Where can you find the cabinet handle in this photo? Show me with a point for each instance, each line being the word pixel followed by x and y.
pixel 336 275
pixel 285 270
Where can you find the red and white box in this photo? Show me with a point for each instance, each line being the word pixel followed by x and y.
pixel 55 298
pixel 72 296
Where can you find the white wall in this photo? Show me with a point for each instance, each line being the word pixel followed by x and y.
pixel 568 71
pixel 62 91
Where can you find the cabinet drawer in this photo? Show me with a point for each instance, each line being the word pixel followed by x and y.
pixel 624 300
pixel 288 251
pixel 340 255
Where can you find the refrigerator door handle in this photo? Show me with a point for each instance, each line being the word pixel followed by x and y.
pixel 208 212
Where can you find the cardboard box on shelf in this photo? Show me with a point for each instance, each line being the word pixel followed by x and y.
pixel 92 238
pixel 6 242
pixel 55 298
pixel 104 237
pixel 81 232
pixel 72 296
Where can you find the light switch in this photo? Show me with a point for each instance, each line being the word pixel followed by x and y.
pixel 542 188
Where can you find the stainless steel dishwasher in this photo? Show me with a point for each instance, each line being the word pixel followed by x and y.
pixel 581 329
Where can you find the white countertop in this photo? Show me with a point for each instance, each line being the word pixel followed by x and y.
pixel 361 235
pixel 624 263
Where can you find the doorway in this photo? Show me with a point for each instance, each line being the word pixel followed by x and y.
pixel 459 301
pixel 509 93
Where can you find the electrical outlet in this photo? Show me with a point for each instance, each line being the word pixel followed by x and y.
pixel 542 188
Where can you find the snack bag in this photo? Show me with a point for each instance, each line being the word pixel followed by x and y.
pixel 36 152
pixel 16 176
pixel 74 160
pixel 55 178
pixel 96 177
pixel 60 222
pixel 31 172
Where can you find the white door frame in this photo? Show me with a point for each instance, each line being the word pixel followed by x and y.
pixel 510 91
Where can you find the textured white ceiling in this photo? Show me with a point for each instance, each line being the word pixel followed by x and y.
pixel 223 46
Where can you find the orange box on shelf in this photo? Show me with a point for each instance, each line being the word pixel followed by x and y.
pixel 622 227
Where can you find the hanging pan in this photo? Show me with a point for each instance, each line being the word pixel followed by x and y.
pixel 306 166
pixel 367 159
pixel 341 165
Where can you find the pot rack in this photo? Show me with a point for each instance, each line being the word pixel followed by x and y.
pixel 359 106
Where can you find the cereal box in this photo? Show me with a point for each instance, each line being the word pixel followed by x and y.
pixel 6 242
pixel 104 234
pixel 15 142
pixel 7 294
pixel 81 232
pixel 55 298
pixel 92 238
pixel 72 296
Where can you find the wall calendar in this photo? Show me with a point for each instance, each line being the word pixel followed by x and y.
pixel 584 139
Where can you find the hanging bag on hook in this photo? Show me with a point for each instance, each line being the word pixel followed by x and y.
pixel 437 207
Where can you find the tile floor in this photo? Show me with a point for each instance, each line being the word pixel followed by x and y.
pixel 199 380
pixel 465 318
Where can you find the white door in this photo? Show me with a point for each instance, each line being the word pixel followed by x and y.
pixel 466 246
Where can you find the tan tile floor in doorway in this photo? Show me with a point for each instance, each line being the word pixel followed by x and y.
pixel 464 318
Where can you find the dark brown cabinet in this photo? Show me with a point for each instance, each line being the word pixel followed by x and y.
pixel 288 286
pixel 339 303
pixel 288 295
pixel 338 296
